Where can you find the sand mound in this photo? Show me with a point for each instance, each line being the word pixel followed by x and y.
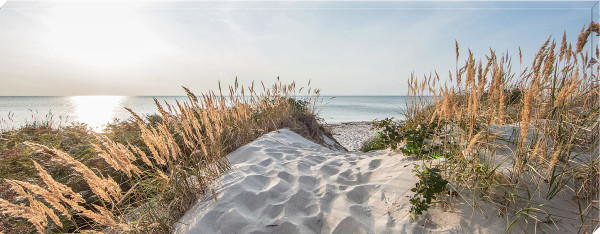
pixel 283 183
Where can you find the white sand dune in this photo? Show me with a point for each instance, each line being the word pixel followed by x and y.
pixel 283 183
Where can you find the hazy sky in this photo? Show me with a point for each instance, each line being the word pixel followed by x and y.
pixel 346 48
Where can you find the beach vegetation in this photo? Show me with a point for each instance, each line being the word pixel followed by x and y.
pixel 71 179
pixel 389 131
pixel 517 140
pixel 411 141
pixel 374 143
pixel 430 184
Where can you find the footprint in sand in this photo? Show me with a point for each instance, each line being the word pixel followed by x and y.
pixel 275 155
pixel 329 169
pixel 316 159
pixel 252 201
pixel 361 212
pixel 359 194
pixel 266 162
pixel 304 168
pixel 331 193
pixel 374 164
pixel 307 183
pixel 285 227
pixel 316 223
pixel 298 202
pixel 273 210
pixel 349 178
pixel 284 175
pixel 349 225
pixel 255 183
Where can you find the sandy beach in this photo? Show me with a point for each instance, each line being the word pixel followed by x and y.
pixel 283 183
pixel 351 135
pixel 258 117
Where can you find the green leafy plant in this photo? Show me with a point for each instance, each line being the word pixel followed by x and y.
pixel 415 140
pixel 430 183
pixel 375 143
pixel 394 135
pixel 391 132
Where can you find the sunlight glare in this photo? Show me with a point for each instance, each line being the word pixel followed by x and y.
pixel 96 111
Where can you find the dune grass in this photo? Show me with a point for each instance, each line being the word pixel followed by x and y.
pixel 74 180
pixel 374 143
pixel 517 140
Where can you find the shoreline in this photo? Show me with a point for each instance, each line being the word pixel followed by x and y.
pixel 351 135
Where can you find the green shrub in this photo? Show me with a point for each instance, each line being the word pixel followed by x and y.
pixel 375 143
pixel 430 183
pixel 411 141
pixel 391 132
pixel 415 140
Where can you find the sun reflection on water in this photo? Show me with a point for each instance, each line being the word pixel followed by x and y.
pixel 96 111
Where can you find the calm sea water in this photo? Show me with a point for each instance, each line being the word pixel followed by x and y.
pixel 99 110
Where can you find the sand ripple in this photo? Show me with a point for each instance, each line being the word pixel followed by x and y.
pixel 283 183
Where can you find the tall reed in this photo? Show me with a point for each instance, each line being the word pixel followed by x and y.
pixel 519 139
pixel 184 150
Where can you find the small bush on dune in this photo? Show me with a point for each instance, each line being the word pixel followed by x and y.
pixel 430 183
pixel 374 143
pixel 391 133
pixel 398 136
pixel 182 149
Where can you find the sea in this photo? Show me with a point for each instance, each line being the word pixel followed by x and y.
pixel 97 111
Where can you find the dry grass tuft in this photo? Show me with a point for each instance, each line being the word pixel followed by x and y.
pixel 183 150
pixel 519 140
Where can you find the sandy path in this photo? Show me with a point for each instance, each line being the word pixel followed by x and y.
pixel 283 183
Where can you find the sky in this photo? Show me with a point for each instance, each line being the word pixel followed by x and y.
pixel 135 48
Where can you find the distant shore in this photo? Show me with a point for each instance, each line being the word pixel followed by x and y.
pixel 352 135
